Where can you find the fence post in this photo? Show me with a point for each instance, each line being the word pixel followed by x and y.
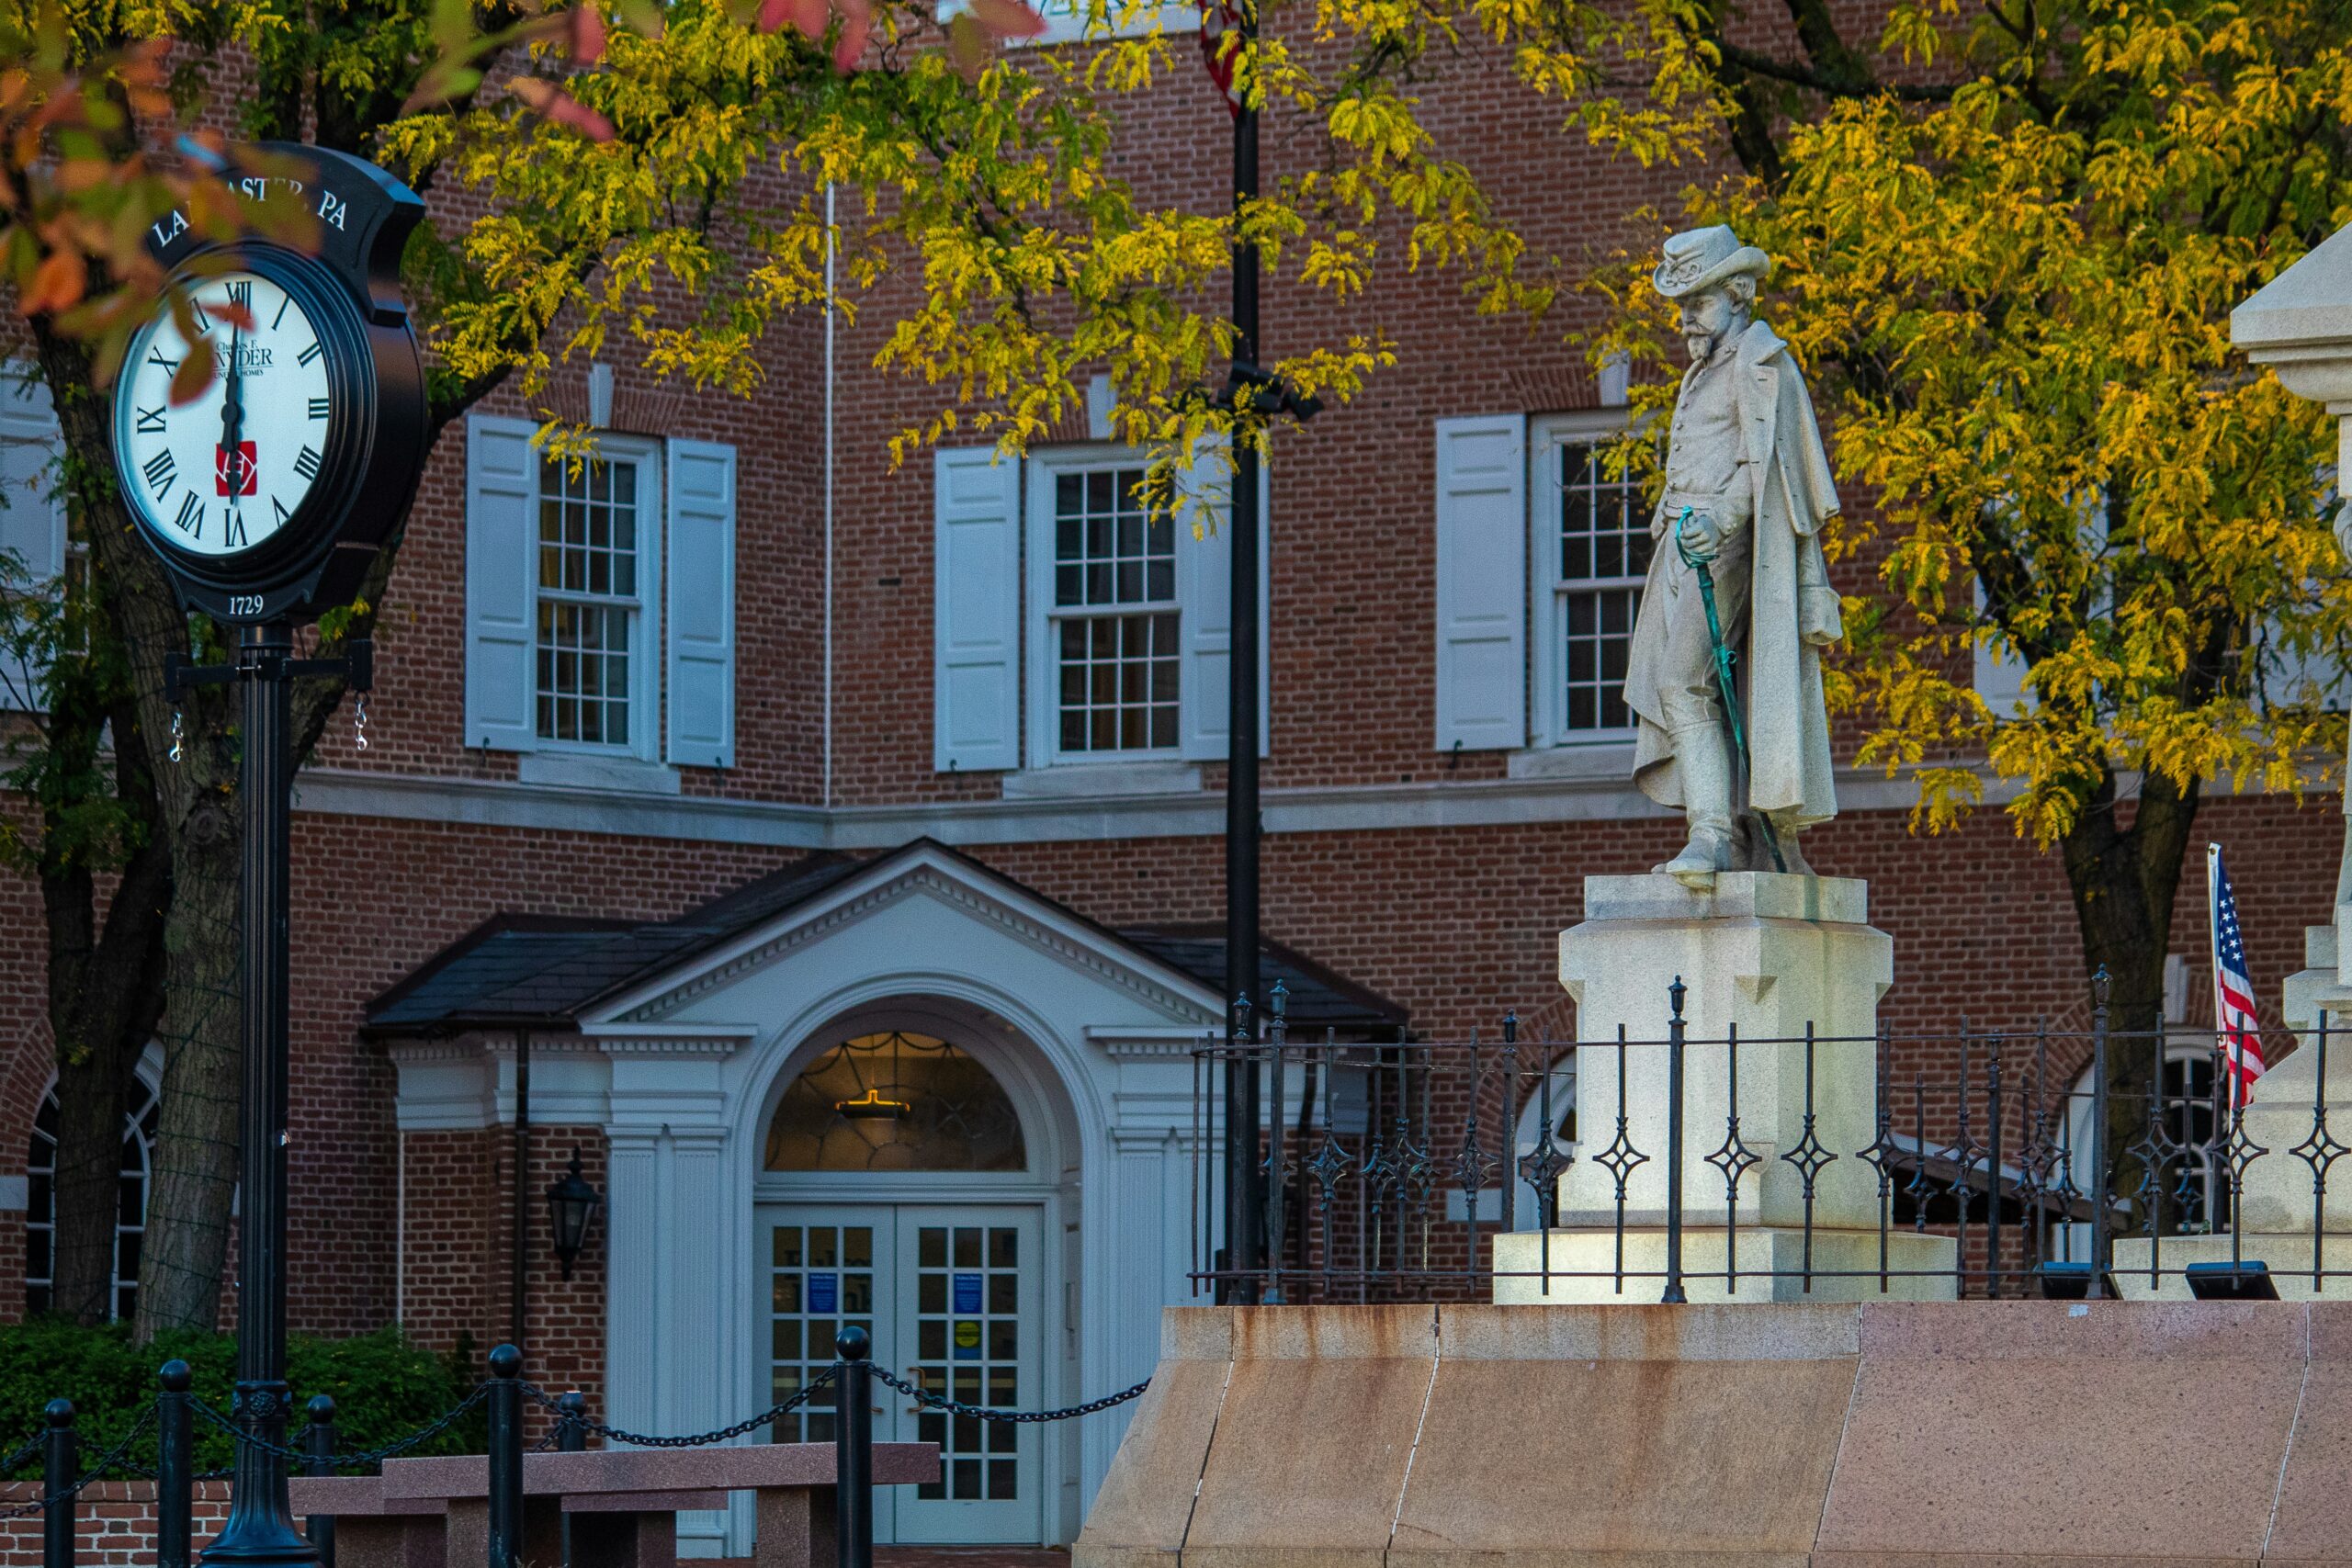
pixel 852 1451
pixel 2097 1290
pixel 1674 1033
pixel 571 1437
pixel 61 1456
pixel 506 1457
pixel 317 1446
pixel 174 1471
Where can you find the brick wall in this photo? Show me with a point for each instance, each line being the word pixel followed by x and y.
pixel 114 1523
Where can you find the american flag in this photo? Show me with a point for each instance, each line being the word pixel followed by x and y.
pixel 2234 1028
pixel 1217 18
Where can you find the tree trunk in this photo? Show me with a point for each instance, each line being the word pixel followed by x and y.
pixel 195 1181
pixel 2124 882
pixel 105 988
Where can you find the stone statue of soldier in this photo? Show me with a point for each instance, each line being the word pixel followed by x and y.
pixel 1748 488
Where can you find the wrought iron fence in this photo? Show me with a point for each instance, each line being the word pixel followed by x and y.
pixel 2046 1161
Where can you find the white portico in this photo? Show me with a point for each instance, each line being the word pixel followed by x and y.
pixel 906 1092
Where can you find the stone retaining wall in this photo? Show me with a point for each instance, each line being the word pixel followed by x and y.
pixel 1922 1435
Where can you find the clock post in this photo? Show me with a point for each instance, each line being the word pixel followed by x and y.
pixel 268 499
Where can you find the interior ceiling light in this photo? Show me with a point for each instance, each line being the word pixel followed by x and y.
pixel 871 1107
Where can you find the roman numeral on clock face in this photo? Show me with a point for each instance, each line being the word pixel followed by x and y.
pixel 162 469
pixel 156 356
pixel 150 422
pixel 191 517
pixel 279 507
pixel 320 408
pixel 236 528
pixel 311 352
pixel 241 293
pixel 307 465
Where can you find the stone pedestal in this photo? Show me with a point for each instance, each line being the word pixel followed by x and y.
pixel 2276 1202
pixel 1761 957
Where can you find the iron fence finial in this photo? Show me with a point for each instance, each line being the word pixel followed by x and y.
pixel 1675 993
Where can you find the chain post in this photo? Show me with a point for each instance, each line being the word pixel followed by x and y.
pixel 2097 1290
pixel 853 1450
pixel 174 1468
pixel 572 1428
pixel 61 1456
pixel 505 1458
pixel 570 1437
pixel 318 1445
pixel 1675 1030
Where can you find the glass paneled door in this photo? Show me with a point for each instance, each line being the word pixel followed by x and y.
pixel 951 1295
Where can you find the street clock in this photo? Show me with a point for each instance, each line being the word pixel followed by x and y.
pixel 268 495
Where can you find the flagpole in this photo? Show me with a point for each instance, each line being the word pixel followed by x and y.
pixel 1245 1206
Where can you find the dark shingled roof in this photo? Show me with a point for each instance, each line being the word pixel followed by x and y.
pixel 542 971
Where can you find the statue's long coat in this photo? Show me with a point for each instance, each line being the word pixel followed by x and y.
pixel 1791 609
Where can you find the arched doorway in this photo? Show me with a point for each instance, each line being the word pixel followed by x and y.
pixel 905 1187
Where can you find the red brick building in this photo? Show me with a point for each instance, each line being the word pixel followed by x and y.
pixel 745 780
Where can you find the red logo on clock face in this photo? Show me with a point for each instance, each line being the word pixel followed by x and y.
pixel 235 473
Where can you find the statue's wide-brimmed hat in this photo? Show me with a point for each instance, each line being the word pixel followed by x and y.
pixel 1700 258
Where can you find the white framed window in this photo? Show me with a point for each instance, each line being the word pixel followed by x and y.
pixel 139 1131
pixel 593 620
pixel 1066 21
pixel 1112 622
pixel 1071 627
pixel 35 531
pixel 1589 548
pixel 600 605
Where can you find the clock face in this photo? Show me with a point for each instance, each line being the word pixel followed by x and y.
pixel 221 475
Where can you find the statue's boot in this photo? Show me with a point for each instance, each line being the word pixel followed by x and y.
pixel 1703 760
pixel 1793 859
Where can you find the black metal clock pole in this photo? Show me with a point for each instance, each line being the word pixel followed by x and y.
pixel 260 1527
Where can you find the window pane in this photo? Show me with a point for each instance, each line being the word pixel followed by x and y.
pixel 588 568
pixel 1114 695
pixel 1598 629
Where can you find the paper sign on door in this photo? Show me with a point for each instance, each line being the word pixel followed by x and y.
pixel 967 1292
pixel 824 1293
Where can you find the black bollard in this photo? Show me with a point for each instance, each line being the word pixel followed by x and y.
pixel 852 1451
pixel 506 1457
pixel 319 1445
pixel 61 1456
pixel 174 1468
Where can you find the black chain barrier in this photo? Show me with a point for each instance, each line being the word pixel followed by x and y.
pixel 547 1400
pixel 112 1460
pixel 32 1447
pixel 1017 1417
pixel 374 1456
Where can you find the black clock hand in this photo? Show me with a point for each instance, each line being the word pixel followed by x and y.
pixel 232 417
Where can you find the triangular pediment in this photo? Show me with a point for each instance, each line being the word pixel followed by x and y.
pixel 923 908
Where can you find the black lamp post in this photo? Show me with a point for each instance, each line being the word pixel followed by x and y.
pixel 571 1208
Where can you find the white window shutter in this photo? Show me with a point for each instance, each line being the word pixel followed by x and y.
pixel 32 524
pixel 976 611
pixel 700 660
pixel 502 555
pixel 1205 592
pixel 1481 582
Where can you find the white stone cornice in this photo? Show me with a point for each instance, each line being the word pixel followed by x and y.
pixel 683 1040
pixel 1150 1042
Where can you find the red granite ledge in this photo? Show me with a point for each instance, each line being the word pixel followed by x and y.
pixel 715 1469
